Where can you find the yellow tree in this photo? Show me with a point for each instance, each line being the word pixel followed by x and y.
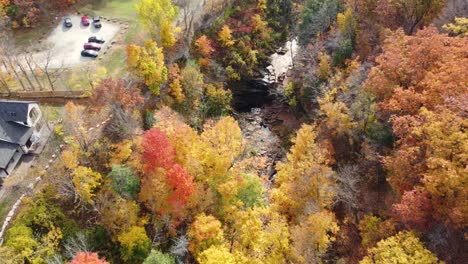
pixel 217 254
pixel 116 213
pixel 135 244
pixel 175 89
pixel 147 62
pixel 154 191
pixel 221 145
pixel 167 34
pixel 346 23
pixel 304 181
pixel 432 153
pixel 225 36
pixel 336 120
pixel 405 247
pixel 311 238
pixel 205 232
pixel 153 13
pixel 459 28
pixel 85 181
pixel 259 235
pixel 324 69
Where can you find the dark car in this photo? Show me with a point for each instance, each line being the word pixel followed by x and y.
pixel 85 21
pixel 67 22
pixel 97 22
pixel 89 53
pixel 96 39
pixel 92 46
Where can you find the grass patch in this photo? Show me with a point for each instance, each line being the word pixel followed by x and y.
pixel 115 61
pixel 23 38
pixel 52 113
pixel 121 9
pixel 5 206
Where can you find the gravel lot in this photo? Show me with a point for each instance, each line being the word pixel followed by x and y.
pixel 67 43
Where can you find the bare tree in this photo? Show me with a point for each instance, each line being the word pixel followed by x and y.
pixel 77 243
pixel 29 61
pixel 4 82
pixel 188 18
pixel 348 180
pixel 9 66
pixel 23 70
pixel 180 248
pixel 52 73
pixel 55 259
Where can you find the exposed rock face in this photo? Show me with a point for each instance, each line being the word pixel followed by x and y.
pixel 250 94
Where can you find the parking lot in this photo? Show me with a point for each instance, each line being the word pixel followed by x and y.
pixel 65 44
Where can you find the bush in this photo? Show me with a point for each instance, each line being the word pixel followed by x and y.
pixel 344 52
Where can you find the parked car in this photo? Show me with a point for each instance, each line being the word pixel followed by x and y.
pixel 96 39
pixel 89 53
pixel 92 46
pixel 97 22
pixel 67 22
pixel 85 21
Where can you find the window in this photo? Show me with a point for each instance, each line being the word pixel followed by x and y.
pixel 34 115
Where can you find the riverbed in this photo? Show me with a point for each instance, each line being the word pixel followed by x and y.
pixel 266 121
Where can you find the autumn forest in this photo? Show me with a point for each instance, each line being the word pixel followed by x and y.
pixel 356 153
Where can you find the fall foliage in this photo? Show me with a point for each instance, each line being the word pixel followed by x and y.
pixel 206 139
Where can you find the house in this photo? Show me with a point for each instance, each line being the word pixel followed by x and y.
pixel 21 128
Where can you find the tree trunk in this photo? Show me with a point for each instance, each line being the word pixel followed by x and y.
pixel 14 71
pixel 4 83
pixel 25 75
pixel 48 78
pixel 33 73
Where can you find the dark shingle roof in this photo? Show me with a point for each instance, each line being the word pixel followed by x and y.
pixel 14 133
pixel 7 151
pixel 14 110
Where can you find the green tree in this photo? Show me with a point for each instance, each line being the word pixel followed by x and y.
pixel 157 257
pixel 135 245
pixel 124 181
pixel 21 239
pixel 217 101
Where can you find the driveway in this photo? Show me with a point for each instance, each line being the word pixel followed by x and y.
pixel 66 44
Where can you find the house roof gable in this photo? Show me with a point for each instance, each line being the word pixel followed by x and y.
pixel 14 110
pixel 7 151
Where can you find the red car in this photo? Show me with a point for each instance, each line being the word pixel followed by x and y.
pixel 85 21
pixel 92 46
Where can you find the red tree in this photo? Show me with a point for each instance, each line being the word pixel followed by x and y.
pixel 112 91
pixel 182 183
pixel 157 151
pixel 87 258
pixel 414 209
